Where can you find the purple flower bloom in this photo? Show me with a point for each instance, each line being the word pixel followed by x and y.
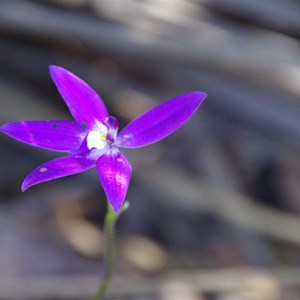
pixel 93 139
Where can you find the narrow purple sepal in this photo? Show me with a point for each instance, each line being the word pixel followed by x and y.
pixel 84 103
pixel 52 135
pixel 56 168
pixel 114 172
pixel 160 121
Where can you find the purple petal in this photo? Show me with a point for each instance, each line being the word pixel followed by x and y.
pixel 52 135
pixel 56 168
pixel 84 103
pixel 160 121
pixel 114 172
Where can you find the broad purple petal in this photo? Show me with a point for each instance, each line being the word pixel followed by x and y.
pixel 84 103
pixel 160 121
pixel 52 135
pixel 56 168
pixel 114 172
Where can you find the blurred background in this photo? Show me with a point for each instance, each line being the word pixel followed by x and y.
pixel 215 207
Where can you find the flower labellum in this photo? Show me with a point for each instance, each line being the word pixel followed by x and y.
pixel 93 140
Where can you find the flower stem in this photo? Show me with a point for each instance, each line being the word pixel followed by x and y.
pixel 109 251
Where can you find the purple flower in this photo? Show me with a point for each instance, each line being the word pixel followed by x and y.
pixel 93 139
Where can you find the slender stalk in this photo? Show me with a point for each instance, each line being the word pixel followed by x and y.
pixel 109 251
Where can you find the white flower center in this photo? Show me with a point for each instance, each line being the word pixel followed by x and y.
pixel 97 139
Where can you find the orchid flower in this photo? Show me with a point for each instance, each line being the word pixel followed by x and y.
pixel 93 139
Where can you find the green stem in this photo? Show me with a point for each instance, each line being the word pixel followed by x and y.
pixel 109 251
